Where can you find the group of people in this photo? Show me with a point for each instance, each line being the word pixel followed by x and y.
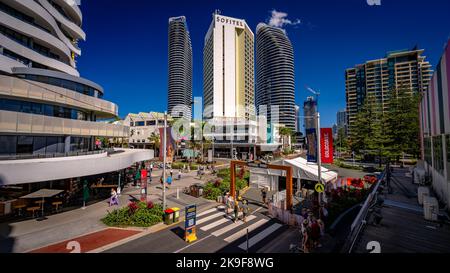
pixel 312 230
pixel 236 206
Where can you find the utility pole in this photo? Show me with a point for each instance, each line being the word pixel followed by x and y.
pixel 164 156
pixel 319 159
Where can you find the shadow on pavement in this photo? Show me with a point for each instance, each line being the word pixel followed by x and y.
pixel 6 242
pixel 178 231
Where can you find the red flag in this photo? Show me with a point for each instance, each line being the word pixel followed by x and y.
pixel 326 145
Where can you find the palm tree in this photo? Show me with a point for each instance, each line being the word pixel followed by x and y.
pixel 285 132
pixel 156 140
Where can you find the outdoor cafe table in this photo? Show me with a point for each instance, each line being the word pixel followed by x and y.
pixel 42 193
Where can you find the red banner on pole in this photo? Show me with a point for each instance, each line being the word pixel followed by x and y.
pixel 144 185
pixel 326 145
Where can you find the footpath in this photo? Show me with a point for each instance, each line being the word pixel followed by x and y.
pixel 84 225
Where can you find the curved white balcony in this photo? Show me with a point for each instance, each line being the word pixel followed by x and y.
pixel 24 123
pixel 69 26
pixel 37 34
pixel 33 8
pixel 35 56
pixel 74 10
pixel 6 64
pixel 20 88
pixel 14 172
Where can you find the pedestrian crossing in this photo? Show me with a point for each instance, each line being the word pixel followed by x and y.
pixel 220 225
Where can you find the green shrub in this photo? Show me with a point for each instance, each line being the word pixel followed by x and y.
pixel 220 186
pixel 138 214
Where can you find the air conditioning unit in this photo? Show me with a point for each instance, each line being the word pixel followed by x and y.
pixel 421 193
pixel 430 208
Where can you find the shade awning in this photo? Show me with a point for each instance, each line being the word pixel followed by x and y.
pixel 309 171
pixel 42 193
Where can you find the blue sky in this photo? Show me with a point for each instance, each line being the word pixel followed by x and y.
pixel 126 46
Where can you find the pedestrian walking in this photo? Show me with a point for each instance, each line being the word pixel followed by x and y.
pixel 245 210
pixel 236 211
pixel 322 227
pixel 315 233
pixel 264 195
pixel 305 237
pixel 169 180
pixel 113 200
pixel 179 174
pixel 230 203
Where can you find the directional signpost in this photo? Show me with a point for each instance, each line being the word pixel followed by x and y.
pixel 190 234
pixel 319 188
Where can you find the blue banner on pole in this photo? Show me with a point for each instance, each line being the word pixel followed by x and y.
pixel 190 216
pixel 311 138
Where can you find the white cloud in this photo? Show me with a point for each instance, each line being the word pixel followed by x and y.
pixel 279 19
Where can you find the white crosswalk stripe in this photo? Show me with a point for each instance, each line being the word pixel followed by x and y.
pixel 258 237
pixel 206 212
pixel 220 224
pixel 242 232
pixel 221 231
pixel 215 224
pixel 210 217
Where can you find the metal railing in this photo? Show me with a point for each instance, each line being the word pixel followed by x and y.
pixel 51 155
pixel 360 220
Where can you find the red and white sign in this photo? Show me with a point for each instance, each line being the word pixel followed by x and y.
pixel 326 145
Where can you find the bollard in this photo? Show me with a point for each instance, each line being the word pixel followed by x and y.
pixel 178 193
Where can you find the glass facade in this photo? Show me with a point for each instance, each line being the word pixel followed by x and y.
pixel 42 109
pixel 438 153
pixel 74 86
pixel 427 151
pixel 41 145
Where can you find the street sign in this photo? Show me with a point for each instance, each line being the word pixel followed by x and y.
pixel 190 220
pixel 319 188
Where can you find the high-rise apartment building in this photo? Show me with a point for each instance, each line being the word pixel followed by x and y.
pixel 275 74
pixel 341 120
pixel 406 69
pixel 297 119
pixel 310 110
pixel 228 69
pixel 180 69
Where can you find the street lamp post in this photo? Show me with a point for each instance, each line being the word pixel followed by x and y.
pixel 165 159
pixel 213 140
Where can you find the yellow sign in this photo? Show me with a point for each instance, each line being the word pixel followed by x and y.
pixel 191 235
pixel 319 187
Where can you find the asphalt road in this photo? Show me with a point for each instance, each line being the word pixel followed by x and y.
pixel 217 233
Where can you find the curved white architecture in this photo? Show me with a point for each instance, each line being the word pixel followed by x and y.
pixel 180 68
pixel 275 73
pixel 45 169
pixel 48 113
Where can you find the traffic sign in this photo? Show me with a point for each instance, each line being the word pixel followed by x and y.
pixel 190 222
pixel 319 187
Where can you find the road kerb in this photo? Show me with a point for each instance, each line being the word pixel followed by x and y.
pixel 156 228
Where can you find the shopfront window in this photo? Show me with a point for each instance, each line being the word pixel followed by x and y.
pixel 8 145
pixel 25 145
pixel 438 152
pixel 42 109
